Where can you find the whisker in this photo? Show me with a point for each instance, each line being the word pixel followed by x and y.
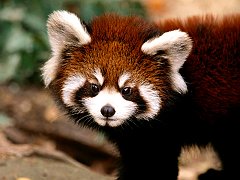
pixel 89 121
pixel 85 118
pixel 134 123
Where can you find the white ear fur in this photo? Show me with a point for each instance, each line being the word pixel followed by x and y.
pixel 49 70
pixel 64 28
pixel 176 46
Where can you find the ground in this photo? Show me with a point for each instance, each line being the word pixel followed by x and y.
pixel 40 168
pixel 38 142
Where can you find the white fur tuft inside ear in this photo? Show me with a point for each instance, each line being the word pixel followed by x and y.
pixel 64 29
pixel 175 46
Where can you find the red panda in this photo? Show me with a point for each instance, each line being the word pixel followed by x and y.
pixel 151 88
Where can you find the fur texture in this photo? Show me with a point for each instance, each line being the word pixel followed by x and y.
pixel 151 88
pixel 195 161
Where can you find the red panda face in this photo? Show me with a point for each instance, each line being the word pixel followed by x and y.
pixel 110 85
pixel 114 73
pixel 106 104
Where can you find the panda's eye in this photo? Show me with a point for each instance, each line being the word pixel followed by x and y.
pixel 95 89
pixel 126 91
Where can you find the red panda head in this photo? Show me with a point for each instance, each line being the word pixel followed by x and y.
pixel 117 70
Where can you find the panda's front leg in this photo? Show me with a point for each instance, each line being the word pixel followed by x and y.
pixel 149 157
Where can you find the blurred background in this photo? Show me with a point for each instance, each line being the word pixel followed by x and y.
pixel 30 123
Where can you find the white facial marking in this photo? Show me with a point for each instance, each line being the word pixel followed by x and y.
pixel 97 73
pixel 71 85
pixel 153 101
pixel 122 79
pixel 124 109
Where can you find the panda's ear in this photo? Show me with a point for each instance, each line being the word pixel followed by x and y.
pixel 64 29
pixel 175 46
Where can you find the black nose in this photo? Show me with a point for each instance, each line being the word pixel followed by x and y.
pixel 108 111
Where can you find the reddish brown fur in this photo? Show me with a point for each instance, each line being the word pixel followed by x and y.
pixel 212 70
pixel 116 48
pixel 213 79
pixel 116 43
pixel 212 67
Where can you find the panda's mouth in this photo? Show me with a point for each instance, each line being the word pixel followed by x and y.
pixel 110 122
pixel 109 119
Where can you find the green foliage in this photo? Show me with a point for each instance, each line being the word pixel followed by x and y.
pixel 24 45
